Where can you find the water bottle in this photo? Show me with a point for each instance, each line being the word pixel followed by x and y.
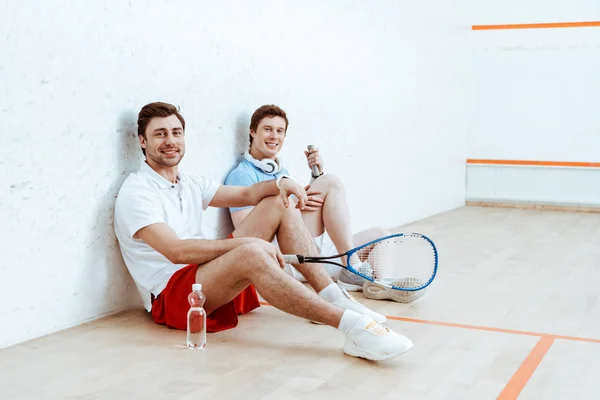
pixel 314 168
pixel 196 318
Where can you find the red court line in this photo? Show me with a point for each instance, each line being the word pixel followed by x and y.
pixel 535 163
pixel 517 383
pixel 515 386
pixel 544 25
pixel 491 329
pixel 484 328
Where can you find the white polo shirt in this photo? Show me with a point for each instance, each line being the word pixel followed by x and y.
pixel 147 198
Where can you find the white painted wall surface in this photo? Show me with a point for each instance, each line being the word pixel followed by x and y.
pixel 376 85
pixel 535 97
pixel 575 187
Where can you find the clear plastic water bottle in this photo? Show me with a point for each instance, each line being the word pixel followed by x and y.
pixel 196 318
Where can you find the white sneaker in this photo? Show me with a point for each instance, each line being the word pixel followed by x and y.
pixel 352 282
pixel 347 302
pixel 374 341
pixel 377 291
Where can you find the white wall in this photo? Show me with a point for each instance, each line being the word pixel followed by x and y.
pixel 375 85
pixel 570 187
pixel 536 97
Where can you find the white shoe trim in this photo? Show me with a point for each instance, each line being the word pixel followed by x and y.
pixel 349 286
pixel 375 291
pixel 355 351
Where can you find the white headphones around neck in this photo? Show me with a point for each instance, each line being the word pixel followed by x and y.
pixel 268 165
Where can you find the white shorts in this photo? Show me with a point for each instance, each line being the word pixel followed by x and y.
pixel 326 248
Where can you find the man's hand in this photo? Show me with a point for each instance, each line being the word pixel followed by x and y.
pixel 288 187
pixel 314 158
pixel 269 248
pixel 313 202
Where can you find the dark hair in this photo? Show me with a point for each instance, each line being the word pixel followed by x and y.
pixel 266 111
pixel 157 109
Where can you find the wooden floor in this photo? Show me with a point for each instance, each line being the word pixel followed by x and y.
pixel 513 313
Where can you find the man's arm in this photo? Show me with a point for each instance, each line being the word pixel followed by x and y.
pixel 240 196
pixel 195 251
pixel 163 239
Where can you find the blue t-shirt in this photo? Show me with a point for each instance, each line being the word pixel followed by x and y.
pixel 247 174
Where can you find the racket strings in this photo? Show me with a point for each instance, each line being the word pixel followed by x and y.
pixel 406 261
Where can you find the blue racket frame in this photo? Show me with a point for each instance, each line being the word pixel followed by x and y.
pixel 303 259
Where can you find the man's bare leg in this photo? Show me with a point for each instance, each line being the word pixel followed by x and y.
pixel 334 216
pixel 270 218
pixel 353 282
pixel 225 277
pixel 366 236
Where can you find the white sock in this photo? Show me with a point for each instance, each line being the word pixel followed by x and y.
pixel 349 320
pixel 331 293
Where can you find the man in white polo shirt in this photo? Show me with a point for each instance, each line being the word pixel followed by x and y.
pixel 158 217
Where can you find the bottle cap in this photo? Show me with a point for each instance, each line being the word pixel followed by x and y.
pixel 197 286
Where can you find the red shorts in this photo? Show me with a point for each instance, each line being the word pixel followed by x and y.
pixel 171 306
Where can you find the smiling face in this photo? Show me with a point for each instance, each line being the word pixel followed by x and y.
pixel 268 138
pixel 163 142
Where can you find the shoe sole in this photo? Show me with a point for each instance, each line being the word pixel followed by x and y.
pixel 349 286
pixel 376 291
pixel 354 351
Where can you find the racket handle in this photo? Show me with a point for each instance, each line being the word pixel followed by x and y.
pixel 293 259
pixel 315 169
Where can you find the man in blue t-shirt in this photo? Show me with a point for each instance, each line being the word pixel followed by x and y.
pixel 325 213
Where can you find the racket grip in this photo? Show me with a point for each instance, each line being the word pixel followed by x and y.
pixel 314 168
pixel 293 259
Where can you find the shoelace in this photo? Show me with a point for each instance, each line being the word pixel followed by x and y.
pixel 377 328
pixel 365 268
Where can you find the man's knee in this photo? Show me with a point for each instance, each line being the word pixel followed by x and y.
pixel 273 202
pixel 253 257
pixel 250 251
pixel 330 181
